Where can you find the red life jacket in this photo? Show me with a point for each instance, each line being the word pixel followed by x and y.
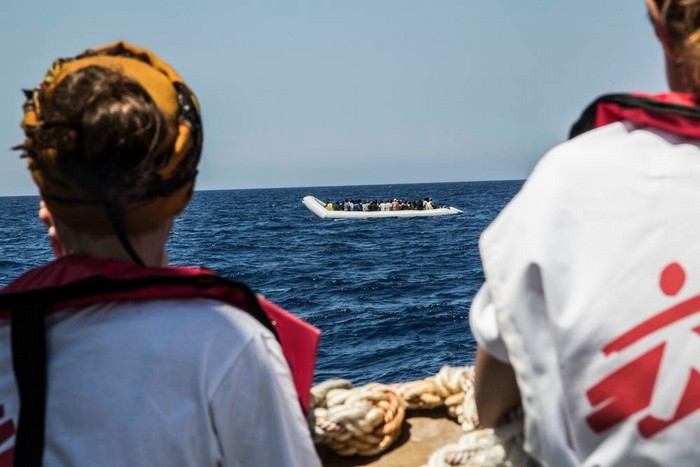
pixel 673 112
pixel 75 281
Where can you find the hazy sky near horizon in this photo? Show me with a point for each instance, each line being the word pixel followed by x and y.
pixel 351 92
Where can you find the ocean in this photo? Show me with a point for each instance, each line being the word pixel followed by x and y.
pixel 391 296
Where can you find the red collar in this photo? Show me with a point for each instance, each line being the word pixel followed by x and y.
pixel 673 112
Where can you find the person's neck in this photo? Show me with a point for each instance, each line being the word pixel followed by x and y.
pixel 109 247
pixel 149 246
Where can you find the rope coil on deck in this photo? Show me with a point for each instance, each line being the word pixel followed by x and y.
pixel 367 420
pixel 486 447
pixel 361 421
pixel 452 387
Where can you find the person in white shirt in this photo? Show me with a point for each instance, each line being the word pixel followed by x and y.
pixel 589 316
pixel 113 141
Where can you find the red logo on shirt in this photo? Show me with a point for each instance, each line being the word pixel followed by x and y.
pixel 7 431
pixel 630 388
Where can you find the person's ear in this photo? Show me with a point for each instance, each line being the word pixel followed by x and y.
pixel 54 238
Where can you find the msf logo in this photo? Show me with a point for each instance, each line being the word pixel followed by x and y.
pixel 630 389
pixel 7 432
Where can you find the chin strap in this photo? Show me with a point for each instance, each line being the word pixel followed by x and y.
pixel 116 217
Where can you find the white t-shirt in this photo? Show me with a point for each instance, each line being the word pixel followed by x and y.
pixel 591 293
pixel 164 383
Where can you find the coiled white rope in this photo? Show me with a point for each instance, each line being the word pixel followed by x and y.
pixel 361 421
pixel 365 421
pixel 486 447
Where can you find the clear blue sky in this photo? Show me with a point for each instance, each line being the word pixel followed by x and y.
pixel 345 92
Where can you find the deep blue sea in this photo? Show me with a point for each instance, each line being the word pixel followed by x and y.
pixel 390 296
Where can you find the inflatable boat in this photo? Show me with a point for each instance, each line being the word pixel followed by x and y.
pixel 318 207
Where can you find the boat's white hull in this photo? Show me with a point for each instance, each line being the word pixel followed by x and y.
pixel 318 207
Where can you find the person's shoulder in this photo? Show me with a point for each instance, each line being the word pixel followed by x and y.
pixel 560 180
pixel 204 318
pixel 603 145
pixel 586 148
pixel 602 152
pixel 209 312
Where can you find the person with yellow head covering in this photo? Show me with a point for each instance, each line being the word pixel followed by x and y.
pixel 122 159
pixel 117 358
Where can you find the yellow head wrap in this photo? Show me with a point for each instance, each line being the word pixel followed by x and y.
pixel 169 187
